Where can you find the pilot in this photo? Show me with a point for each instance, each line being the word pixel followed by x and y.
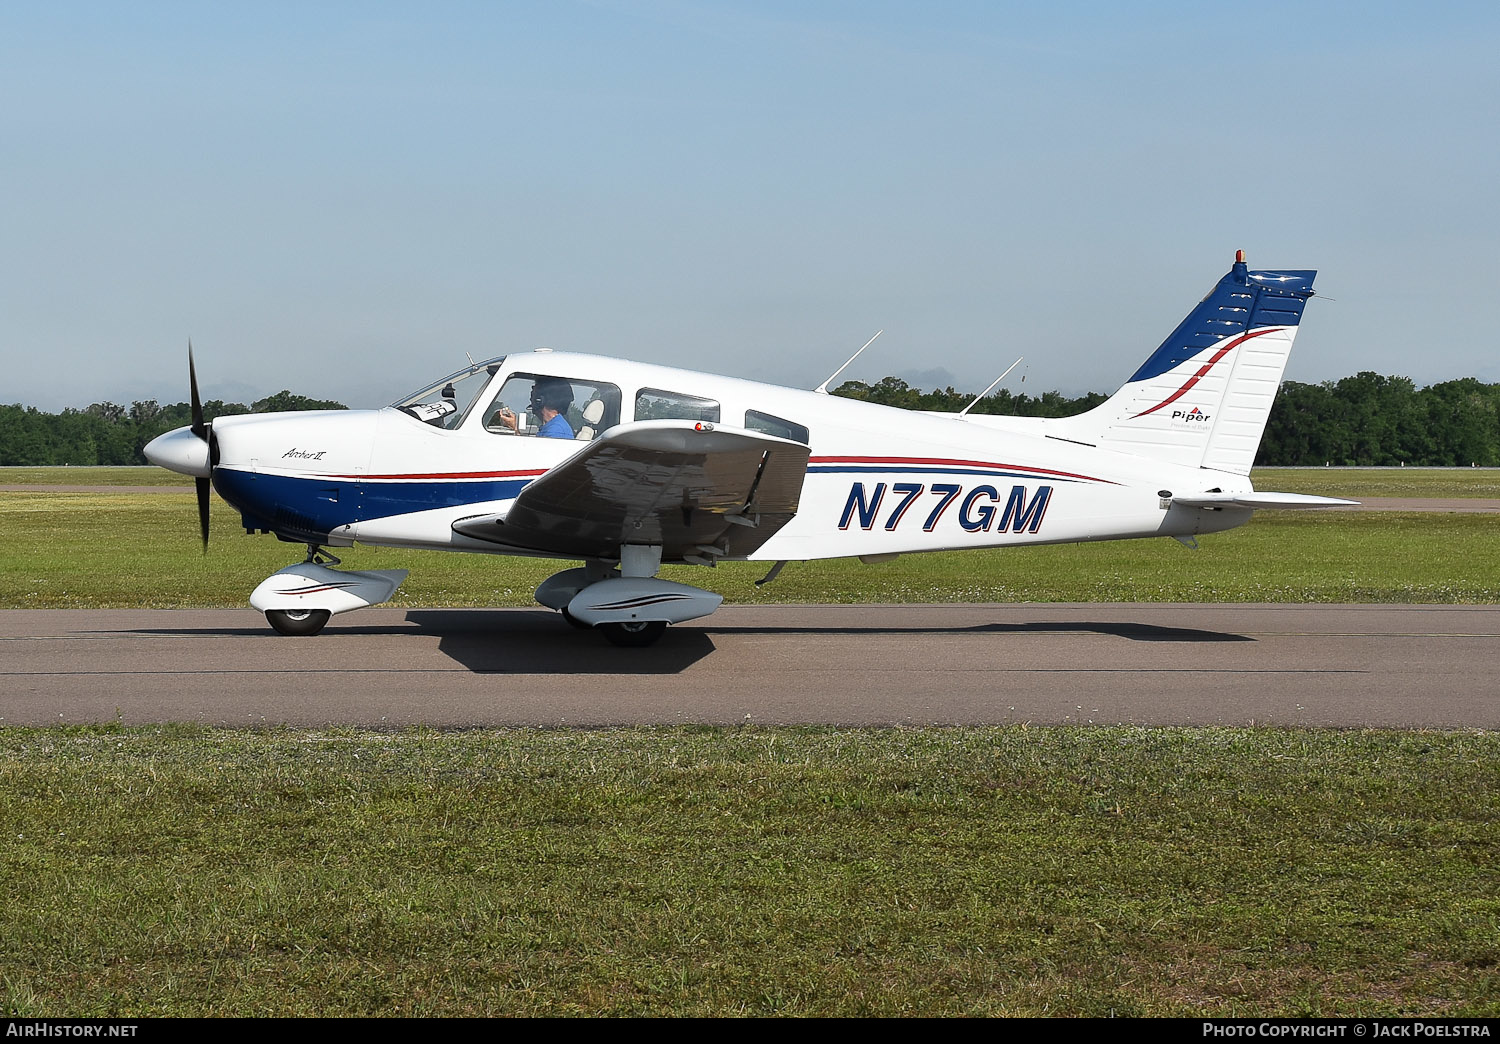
pixel 550 399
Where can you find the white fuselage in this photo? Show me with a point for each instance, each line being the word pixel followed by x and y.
pixel 879 480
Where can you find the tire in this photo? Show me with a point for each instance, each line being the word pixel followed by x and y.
pixel 636 635
pixel 573 621
pixel 297 622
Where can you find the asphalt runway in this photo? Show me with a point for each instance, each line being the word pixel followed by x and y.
pixel 1348 666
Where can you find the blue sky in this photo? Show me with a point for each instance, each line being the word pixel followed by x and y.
pixel 343 199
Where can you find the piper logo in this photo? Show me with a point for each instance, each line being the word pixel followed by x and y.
pixel 1188 418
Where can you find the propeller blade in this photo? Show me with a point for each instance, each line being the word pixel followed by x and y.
pixel 198 428
pixel 201 485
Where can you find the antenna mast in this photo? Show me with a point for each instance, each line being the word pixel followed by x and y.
pixel 964 412
pixel 822 389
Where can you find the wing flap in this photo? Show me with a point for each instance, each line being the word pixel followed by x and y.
pixel 692 489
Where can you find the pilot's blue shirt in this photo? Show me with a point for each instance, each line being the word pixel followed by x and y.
pixel 556 428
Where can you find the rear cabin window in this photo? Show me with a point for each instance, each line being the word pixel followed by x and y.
pixel 656 404
pixel 777 426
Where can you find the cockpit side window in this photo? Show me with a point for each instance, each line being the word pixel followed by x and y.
pixel 553 407
pixel 783 429
pixel 656 404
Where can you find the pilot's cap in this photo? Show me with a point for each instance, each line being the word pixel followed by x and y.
pixel 553 393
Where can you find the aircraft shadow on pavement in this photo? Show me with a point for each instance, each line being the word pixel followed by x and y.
pixel 1138 632
pixel 541 636
pixel 488 641
pixel 541 643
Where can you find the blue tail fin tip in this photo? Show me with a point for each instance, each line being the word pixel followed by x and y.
pixel 1241 301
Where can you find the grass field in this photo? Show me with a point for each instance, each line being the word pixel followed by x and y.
pixel 992 871
pixel 989 871
pixel 87 550
pixel 143 476
pixel 1382 482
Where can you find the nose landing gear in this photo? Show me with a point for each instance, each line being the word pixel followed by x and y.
pixel 299 600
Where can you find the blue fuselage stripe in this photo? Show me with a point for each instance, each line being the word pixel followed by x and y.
pixel 302 505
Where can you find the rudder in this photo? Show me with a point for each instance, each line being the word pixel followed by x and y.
pixel 1203 397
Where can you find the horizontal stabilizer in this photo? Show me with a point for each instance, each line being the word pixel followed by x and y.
pixel 1283 501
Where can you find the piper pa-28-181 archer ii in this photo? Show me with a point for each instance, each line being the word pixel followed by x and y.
pixel 625 466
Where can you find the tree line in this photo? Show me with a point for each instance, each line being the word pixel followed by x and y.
pixel 1365 420
pixel 110 434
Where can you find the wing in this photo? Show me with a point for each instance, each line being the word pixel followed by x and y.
pixel 699 491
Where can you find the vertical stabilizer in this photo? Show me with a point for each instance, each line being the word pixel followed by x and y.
pixel 1202 399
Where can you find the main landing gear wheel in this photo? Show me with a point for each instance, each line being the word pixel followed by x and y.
pixel 297 622
pixel 634 635
pixel 573 621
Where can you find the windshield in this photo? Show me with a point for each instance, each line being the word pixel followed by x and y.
pixel 446 403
